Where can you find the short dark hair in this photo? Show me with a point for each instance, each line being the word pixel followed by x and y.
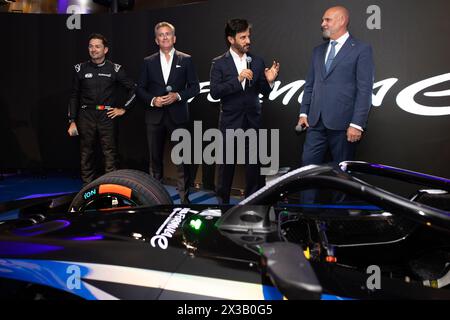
pixel 100 37
pixel 234 26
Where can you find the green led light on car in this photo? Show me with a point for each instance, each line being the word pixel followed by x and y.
pixel 196 224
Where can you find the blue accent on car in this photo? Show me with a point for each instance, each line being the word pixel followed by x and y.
pixel 54 274
pixel 42 195
pixel 272 293
pixel 423 175
pixel 42 228
pixel 23 248
pixel 333 297
pixel 331 206
pixel 9 215
pixel 87 238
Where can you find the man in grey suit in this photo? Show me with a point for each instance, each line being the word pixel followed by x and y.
pixel 338 92
pixel 168 80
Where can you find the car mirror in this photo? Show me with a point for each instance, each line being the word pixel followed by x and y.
pixel 290 271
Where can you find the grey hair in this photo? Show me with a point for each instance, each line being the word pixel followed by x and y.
pixel 164 24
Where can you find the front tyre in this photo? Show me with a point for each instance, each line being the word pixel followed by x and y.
pixel 120 189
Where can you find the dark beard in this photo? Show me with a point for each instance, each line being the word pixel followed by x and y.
pixel 241 49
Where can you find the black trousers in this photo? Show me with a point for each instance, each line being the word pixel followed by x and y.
pixel 157 135
pixel 253 179
pixel 93 125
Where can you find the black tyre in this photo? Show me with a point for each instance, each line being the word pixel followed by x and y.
pixel 119 189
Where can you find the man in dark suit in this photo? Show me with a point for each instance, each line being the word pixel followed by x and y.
pixel 338 92
pixel 237 79
pixel 168 80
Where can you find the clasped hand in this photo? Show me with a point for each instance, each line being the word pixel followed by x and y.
pixel 166 100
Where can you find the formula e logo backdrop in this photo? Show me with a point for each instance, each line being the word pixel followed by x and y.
pixel 405 99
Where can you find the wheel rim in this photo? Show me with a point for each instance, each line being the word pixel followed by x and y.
pixel 107 201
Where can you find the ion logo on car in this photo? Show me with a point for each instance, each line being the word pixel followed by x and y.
pixel 89 194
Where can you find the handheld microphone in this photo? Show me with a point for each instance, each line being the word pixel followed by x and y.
pixel 249 61
pixel 169 89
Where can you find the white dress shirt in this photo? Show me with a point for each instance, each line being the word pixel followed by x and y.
pixel 340 42
pixel 240 63
pixel 166 66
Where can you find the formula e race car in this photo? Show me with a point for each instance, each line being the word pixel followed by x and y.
pixel 317 232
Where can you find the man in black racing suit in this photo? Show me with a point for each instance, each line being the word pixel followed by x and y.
pixel 92 106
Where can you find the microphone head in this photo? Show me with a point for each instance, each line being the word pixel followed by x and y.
pixel 169 89
pixel 249 59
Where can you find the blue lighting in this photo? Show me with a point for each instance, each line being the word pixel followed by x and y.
pixel 41 228
pixel 8 248
pixel 62 6
pixel 89 238
pixel 43 195
pixel 332 297
pixel 331 206
pixel 423 175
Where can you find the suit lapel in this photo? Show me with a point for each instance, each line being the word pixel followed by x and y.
pixel 173 67
pixel 322 54
pixel 230 61
pixel 345 50
pixel 158 68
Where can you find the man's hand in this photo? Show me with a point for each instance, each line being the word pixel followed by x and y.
pixel 162 101
pixel 353 134
pixel 72 131
pixel 272 73
pixel 245 74
pixel 303 121
pixel 115 112
pixel 158 102
pixel 170 98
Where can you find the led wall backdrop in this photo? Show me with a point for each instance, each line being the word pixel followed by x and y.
pixel 408 124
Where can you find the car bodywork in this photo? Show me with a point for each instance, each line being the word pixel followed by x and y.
pixel 272 245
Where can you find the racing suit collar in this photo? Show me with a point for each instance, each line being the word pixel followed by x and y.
pixel 98 65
